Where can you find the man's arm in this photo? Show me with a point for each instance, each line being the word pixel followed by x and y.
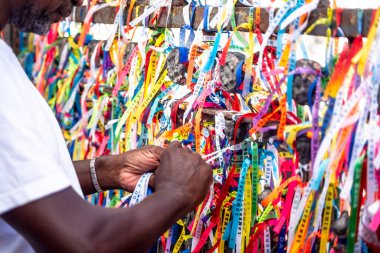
pixel 63 222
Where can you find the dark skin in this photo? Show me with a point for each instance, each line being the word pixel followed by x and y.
pixel 119 171
pixel 64 222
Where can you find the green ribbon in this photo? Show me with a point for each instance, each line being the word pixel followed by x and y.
pixel 254 176
pixel 355 198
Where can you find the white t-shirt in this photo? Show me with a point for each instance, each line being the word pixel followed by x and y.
pixel 34 160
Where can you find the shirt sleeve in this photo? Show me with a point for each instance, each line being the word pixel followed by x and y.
pixel 30 159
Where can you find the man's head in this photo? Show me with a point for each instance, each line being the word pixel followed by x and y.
pixel 37 15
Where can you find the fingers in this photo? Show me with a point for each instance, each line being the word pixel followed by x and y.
pixel 156 151
pixel 211 178
pixel 178 145
pixel 152 181
pixel 187 149
pixel 207 172
pixel 175 144
pixel 198 157
pixel 204 168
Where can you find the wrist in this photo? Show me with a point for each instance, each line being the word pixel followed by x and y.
pixel 107 170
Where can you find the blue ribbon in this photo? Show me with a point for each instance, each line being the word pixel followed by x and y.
pixel 239 73
pixel 238 202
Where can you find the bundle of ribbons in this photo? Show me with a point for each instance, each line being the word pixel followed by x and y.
pixel 294 146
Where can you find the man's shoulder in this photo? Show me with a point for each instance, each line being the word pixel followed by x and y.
pixel 9 64
pixel 6 53
pixel 12 76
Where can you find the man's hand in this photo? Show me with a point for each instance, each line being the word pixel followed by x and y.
pixel 184 175
pixel 123 171
pixel 135 163
pixel 119 171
